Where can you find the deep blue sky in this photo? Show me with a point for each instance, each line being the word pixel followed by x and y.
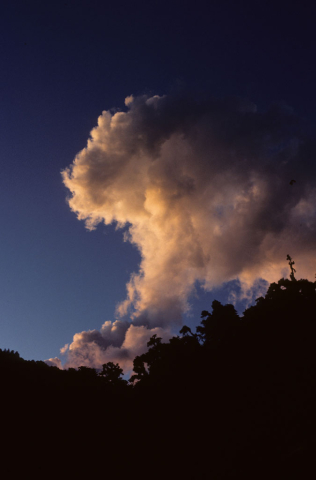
pixel 62 63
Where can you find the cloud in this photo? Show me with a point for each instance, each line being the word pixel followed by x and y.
pixel 64 349
pixel 54 362
pixel 94 348
pixel 204 188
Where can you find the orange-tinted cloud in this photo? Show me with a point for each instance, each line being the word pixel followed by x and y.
pixel 54 362
pixel 93 348
pixel 205 188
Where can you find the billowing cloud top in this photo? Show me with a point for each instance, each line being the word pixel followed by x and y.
pixel 206 190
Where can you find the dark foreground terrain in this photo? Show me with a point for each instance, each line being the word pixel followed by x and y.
pixel 235 399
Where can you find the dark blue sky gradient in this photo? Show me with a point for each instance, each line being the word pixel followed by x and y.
pixel 61 64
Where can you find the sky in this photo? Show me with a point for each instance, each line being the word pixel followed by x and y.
pixel 147 151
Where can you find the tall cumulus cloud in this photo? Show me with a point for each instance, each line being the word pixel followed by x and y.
pixel 206 191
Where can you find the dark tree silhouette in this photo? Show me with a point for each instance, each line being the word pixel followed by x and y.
pixel 236 399
pixel 291 263
pixel 219 325
pixel 112 374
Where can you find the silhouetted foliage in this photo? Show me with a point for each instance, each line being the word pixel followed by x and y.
pixel 112 375
pixel 291 263
pixel 236 399
pixel 219 325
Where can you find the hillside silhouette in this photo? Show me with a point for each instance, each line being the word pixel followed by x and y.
pixel 234 399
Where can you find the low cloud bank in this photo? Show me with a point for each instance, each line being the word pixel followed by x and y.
pixel 212 191
pixel 93 348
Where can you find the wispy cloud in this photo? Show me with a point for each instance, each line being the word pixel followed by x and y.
pixel 54 362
